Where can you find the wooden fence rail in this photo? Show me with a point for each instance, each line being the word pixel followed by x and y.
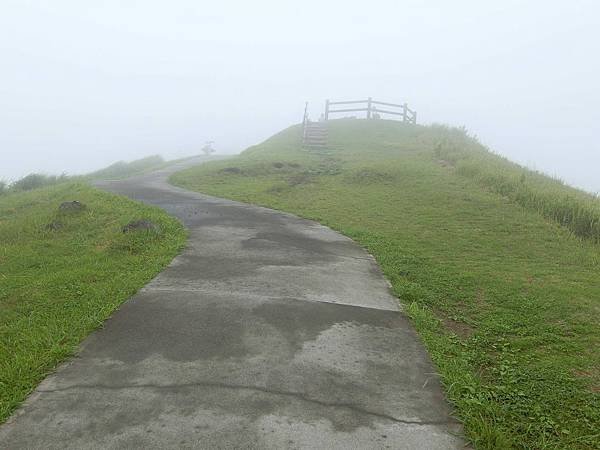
pixel 371 107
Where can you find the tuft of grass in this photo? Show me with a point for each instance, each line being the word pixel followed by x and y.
pixel 63 274
pixel 506 300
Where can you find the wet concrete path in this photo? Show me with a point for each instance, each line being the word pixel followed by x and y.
pixel 267 332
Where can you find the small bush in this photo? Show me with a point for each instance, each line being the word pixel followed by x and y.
pixel 3 188
pixel 37 180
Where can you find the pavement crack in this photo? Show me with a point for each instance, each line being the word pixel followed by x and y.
pixel 297 395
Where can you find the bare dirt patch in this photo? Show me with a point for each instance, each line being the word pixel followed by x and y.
pixel 461 329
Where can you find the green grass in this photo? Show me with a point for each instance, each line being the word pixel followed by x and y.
pixel 59 283
pixel 116 171
pixel 33 181
pixel 123 169
pixel 505 296
pixel 570 207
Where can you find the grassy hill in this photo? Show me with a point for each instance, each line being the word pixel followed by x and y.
pixel 63 273
pixel 124 169
pixel 116 171
pixel 498 266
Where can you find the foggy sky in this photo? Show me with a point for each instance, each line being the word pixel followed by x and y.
pixel 83 84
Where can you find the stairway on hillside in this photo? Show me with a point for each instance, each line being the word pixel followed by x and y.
pixel 315 134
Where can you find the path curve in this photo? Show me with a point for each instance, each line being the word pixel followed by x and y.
pixel 267 332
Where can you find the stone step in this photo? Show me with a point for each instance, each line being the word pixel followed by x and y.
pixel 315 138
pixel 315 145
pixel 315 135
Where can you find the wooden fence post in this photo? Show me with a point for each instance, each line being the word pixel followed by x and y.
pixel 327 109
pixel 369 107
pixel 404 112
pixel 414 118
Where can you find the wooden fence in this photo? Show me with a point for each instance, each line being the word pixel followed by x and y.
pixel 372 108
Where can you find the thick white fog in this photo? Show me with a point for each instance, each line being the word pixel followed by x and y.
pixel 83 84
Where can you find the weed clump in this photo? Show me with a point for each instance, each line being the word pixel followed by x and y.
pixel 368 176
pixel 71 207
pixel 142 224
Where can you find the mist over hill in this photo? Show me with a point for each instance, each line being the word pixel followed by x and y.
pixel 84 86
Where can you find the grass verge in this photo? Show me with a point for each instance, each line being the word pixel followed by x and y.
pixel 572 208
pixel 505 297
pixel 63 274
pixel 123 169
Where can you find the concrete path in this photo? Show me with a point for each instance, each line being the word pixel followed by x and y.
pixel 268 332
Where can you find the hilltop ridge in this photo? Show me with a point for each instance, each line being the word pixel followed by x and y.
pixel 497 265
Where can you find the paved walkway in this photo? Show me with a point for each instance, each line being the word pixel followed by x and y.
pixel 267 332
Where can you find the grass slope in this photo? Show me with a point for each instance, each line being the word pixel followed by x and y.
pixel 504 296
pixel 57 285
pixel 123 169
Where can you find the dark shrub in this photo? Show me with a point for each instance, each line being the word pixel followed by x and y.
pixel 37 180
